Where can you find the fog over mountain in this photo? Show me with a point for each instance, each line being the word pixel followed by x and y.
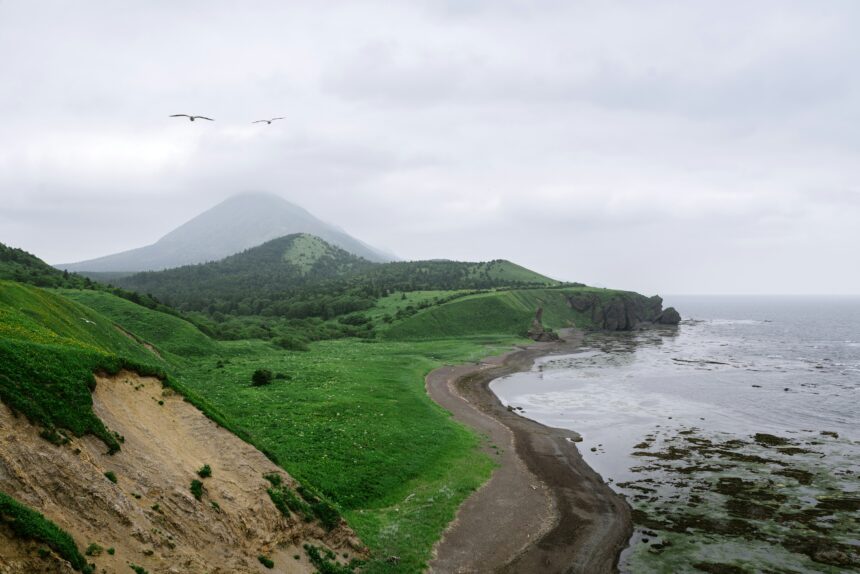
pixel 664 146
pixel 239 223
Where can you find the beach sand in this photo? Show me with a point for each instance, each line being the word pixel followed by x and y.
pixel 544 509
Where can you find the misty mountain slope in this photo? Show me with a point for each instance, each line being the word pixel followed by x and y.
pixel 301 275
pixel 260 272
pixel 236 224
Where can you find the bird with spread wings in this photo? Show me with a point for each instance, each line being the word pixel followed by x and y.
pixel 191 118
pixel 269 121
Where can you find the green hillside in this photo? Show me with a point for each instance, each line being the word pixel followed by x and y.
pixel 19 265
pixel 167 333
pixel 34 315
pixel 499 312
pixel 301 276
pixel 254 282
pixel 49 349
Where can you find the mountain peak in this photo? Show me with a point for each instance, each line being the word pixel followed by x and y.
pixel 238 223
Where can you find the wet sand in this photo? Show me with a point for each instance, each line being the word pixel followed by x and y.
pixel 544 509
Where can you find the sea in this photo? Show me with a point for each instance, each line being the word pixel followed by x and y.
pixel 735 437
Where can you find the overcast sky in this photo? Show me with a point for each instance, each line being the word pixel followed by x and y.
pixel 661 146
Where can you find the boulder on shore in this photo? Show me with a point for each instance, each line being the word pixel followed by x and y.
pixel 537 331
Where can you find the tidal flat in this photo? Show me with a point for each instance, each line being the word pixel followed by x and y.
pixel 734 438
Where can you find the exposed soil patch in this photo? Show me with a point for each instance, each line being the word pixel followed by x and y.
pixel 150 516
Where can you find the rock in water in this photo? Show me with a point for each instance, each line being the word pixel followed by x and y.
pixel 670 316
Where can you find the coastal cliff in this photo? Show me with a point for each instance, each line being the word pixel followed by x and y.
pixel 623 311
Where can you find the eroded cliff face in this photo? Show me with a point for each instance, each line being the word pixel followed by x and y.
pixel 149 516
pixel 624 311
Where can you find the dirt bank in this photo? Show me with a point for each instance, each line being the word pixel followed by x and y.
pixel 544 509
pixel 149 515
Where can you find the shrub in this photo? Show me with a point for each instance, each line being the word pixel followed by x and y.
pixel 292 344
pixel 274 478
pixel 111 476
pixel 266 561
pixel 261 377
pixel 138 569
pixel 111 551
pixel 205 471
pixel 197 489
pixel 93 550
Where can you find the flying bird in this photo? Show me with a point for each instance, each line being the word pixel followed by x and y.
pixel 268 121
pixel 192 118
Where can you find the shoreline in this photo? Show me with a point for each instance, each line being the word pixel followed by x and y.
pixel 543 509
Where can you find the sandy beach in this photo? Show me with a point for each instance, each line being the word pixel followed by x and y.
pixel 544 509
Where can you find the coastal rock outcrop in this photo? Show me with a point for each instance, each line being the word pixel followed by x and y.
pixel 623 311
pixel 537 332
pixel 669 317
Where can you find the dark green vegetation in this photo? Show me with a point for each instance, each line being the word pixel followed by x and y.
pixel 266 561
pixel 196 489
pixel 94 549
pixel 262 377
pixel 766 504
pixel 304 501
pixel 325 561
pixel 301 276
pixel 204 471
pixel 28 524
pixel 350 421
pixel 18 265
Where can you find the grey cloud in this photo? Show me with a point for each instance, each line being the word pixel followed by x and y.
pixel 588 140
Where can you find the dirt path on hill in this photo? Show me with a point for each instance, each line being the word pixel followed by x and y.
pixel 544 509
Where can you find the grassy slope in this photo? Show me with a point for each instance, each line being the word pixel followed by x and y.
pixel 304 251
pixel 167 333
pixel 49 349
pixel 37 316
pixel 502 270
pixel 508 312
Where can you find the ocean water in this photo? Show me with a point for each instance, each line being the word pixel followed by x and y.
pixel 735 436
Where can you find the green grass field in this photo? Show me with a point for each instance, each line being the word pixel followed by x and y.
pixel 354 421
